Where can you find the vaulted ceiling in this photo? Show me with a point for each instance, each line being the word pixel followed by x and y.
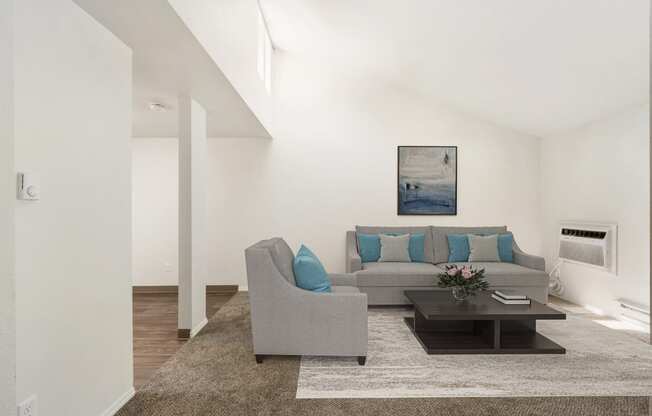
pixel 536 66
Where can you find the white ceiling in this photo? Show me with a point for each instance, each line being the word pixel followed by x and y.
pixel 168 61
pixel 537 66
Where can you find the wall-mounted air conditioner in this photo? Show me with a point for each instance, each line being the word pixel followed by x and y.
pixel 591 244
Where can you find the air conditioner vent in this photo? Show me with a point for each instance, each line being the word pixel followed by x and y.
pixel 600 235
pixel 589 244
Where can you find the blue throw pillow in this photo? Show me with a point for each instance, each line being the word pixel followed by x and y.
pixel 458 248
pixel 505 244
pixel 309 273
pixel 416 248
pixel 369 247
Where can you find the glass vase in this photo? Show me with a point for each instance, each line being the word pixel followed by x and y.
pixel 460 293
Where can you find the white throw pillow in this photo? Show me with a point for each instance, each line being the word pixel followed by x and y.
pixel 483 248
pixel 395 248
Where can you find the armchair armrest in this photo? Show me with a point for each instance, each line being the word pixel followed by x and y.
pixel 528 260
pixel 353 260
pixel 343 279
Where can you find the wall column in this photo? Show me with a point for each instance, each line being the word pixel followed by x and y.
pixel 7 196
pixel 192 217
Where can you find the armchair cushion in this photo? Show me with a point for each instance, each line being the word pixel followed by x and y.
pixel 309 272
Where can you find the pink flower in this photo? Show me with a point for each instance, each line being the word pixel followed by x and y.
pixel 452 271
pixel 467 273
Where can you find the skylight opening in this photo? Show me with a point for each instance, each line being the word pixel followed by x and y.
pixel 265 53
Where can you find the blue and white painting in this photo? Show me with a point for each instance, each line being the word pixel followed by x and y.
pixel 427 180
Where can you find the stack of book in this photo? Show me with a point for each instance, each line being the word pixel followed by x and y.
pixel 510 297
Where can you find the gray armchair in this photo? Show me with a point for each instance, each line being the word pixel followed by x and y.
pixel 287 320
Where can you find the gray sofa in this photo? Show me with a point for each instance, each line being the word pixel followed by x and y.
pixel 384 283
pixel 287 320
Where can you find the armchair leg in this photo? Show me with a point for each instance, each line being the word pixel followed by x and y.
pixel 259 359
pixel 362 360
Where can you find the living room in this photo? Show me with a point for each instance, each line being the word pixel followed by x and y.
pixel 307 121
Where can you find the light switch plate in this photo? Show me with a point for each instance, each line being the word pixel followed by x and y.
pixel 28 187
pixel 28 407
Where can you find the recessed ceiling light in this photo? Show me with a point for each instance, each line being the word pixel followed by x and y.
pixel 158 107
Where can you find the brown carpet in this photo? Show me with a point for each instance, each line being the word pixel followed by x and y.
pixel 216 374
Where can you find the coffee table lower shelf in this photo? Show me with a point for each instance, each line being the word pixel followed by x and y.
pixel 484 341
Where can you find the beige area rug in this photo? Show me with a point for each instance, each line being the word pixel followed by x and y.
pixel 599 362
pixel 215 374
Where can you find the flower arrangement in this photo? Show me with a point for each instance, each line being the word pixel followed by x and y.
pixel 465 281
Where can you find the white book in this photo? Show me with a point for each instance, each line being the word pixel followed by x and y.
pixel 510 294
pixel 511 302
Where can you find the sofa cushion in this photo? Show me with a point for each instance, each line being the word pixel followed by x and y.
pixel 440 239
pixel 309 272
pixel 344 289
pixel 427 243
pixel 394 248
pixel 506 247
pixel 458 247
pixel 483 248
pixel 368 247
pixel 505 274
pixel 397 274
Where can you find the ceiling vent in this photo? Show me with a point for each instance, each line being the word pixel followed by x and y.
pixel 589 244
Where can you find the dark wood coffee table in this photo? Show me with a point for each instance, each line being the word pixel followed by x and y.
pixel 479 325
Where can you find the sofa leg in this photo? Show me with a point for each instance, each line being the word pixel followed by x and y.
pixel 259 359
pixel 362 359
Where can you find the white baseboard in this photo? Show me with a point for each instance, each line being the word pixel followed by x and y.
pixel 198 328
pixel 243 288
pixel 118 404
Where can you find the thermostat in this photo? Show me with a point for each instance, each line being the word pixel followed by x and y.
pixel 28 187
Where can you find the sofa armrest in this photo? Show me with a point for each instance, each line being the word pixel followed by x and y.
pixel 528 260
pixel 353 260
pixel 343 279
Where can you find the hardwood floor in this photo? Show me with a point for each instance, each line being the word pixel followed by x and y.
pixel 155 330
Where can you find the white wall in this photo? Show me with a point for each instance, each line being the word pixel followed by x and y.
pixel 7 195
pixel 335 167
pixel 73 247
pixel 600 172
pixel 155 168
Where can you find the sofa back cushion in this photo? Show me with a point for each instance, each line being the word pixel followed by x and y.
pixel 309 272
pixel 440 238
pixel 427 239
pixel 281 256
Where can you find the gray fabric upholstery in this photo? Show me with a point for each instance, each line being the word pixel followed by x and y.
pixel 353 260
pixel 483 248
pixel 344 289
pixel 282 256
pixel 286 320
pixel 427 243
pixel 384 283
pixel 343 279
pixel 440 239
pixel 506 274
pixel 397 274
pixel 528 260
pixel 394 248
